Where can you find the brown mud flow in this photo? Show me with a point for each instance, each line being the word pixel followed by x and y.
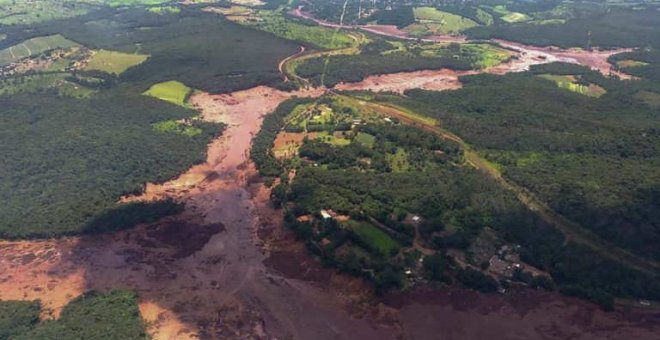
pixel 226 269
pixel 526 56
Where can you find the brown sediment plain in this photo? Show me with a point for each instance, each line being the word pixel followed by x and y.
pixel 225 268
pixel 523 59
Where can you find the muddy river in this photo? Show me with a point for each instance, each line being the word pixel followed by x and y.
pixel 225 268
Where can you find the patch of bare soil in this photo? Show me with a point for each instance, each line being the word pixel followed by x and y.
pixel 434 80
pixel 524 58
pixel 594 59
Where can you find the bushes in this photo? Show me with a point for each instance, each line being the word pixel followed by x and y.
pixel 615 27
pixel 128 215
pixel 17 317
pixel 94 315
pixel 261 152
pixel 67 162
pixel 354 68
pixel 476 280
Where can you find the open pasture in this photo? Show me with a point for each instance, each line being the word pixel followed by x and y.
pixel 170 91
pixel 33 47
pixel 571 83
pixel 431 21
pixel 283 27
pixel 377 240
pixel 114 62
pixel 509 16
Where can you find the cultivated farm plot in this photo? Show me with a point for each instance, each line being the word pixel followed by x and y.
pixel 33 47
pixel 508 16
pixel 365 139
pixel 114 62
pixel 431 21
pixel 170 91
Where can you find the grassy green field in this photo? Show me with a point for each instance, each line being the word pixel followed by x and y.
pixel 164 9
pixel 431 21
pixel 570 83
pixel 374 238
pixel 365 139
pixel 318 36
pixel 114 62
pixel 173 126
pixel 33 47
pixel 481 55
pixel 508 16
pixel 170 91
pixel 399 160
pixel 487 55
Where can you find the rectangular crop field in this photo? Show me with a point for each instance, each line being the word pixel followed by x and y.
pixel 33 47
pixel 376 239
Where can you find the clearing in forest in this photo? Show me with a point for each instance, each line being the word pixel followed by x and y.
pixel 377 240
pixel 171 91
pixel 114 62
pixel 508 16
pixel 33 47
pixel 430 21
pixel 573 84
pixel 630 63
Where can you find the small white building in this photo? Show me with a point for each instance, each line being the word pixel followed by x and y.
pixel 325 214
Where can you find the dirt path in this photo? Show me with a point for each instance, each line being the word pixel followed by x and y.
pixel 282 63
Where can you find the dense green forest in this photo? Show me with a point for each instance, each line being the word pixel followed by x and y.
pixel 75 141
pixel 381 57
pixel 94 315
pixel 67 160
pixel 607 27
pixel 200 49
pixel 593 160
pixel 456 202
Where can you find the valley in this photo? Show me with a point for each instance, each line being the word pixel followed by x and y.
pixel 294 145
